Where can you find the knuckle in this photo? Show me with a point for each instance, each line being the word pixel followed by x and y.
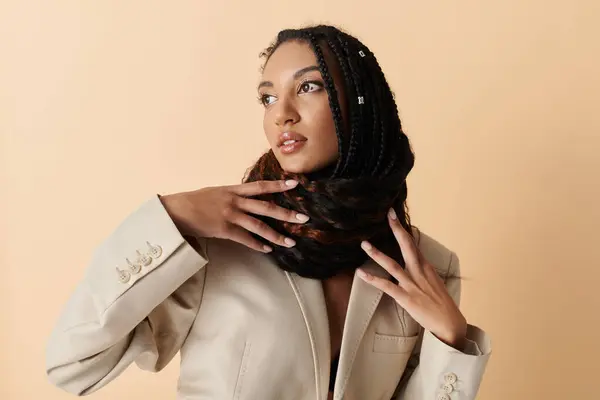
pixel 234 201
pixel 387 286
pixel 412 288
pixel 228 211
pixel 269 206
pixel 259 225
pixel 261 185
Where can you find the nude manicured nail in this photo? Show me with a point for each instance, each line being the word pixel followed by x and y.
pixel 291 182
pixel 366 245
pixel 302 217
pixel 289 242
pixel 267 249
pixel 393 214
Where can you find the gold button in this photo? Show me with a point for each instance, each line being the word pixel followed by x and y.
pixel 124 276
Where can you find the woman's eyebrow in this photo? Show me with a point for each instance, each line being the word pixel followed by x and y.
pixel 297 75
pixel 305 70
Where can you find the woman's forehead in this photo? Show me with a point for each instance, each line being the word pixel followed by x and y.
pixel 294 55
pixel 291 55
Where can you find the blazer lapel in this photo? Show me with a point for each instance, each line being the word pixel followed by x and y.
pixel 311 299
pixel 362 304
pixel 364 299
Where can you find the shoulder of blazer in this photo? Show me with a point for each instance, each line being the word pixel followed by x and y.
pixel 436 253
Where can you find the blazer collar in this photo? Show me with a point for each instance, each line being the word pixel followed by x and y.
pixel 363 302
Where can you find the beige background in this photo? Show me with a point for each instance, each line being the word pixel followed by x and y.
pixel 105 103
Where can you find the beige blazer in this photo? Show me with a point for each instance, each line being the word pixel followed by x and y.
pixel 244 328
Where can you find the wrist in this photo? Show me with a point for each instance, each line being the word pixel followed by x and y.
pixel 459 343
pixel 174 206
pixel 455 341
pixel 456 337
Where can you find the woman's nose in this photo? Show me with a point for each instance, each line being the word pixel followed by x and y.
pixel 286 114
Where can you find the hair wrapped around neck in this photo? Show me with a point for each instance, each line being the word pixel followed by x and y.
pixel 347 202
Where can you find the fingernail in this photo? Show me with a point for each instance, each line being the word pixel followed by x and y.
pixel 289 242
pixel 366 245
pixel 302 217
pixel 363 274
pixel 291 182
pixel 392 214
pixel 267 249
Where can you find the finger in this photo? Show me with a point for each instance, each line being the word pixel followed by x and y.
pixel 242 236
pixel 261 229
pixel 386 286
pixel 263 187
pixel 389 264
pixel 269 209
pixel 433 276
pixel 406 242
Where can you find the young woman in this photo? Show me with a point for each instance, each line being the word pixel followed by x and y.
pixel 305 282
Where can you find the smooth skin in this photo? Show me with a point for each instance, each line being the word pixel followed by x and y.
pixel 293 94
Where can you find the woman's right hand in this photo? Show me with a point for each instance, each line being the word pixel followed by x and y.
pixel 222 212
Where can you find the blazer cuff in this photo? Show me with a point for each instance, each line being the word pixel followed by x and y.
pixel 138 246
pixel 457 374
pixel 477 343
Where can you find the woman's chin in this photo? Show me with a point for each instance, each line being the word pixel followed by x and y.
pixel 306 167
pixel 297 168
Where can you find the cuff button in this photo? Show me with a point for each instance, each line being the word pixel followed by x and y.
pixel 448 388
pixel 124 276
pixel 143 259
pixel 135 268
pixel 450 378
pixel 154 251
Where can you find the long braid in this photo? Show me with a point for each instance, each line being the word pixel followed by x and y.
pixel 380 116
pixel 354 109
pixel 372 104
pixel 356 162
pixel 391 103
pixel 332 94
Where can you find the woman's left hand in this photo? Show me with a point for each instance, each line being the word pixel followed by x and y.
pixel 420 290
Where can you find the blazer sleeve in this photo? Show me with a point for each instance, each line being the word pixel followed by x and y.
pixel 136 303
pixel 441 372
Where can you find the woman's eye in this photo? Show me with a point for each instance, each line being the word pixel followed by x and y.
pixel 309 87
pixel 266 99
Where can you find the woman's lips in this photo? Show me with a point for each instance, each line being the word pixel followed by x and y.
pixel 290 142
pixel 292 146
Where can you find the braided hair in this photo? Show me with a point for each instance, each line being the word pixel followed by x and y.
pixel 348 201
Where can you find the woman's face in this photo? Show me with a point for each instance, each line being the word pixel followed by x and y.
pixel 297 120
